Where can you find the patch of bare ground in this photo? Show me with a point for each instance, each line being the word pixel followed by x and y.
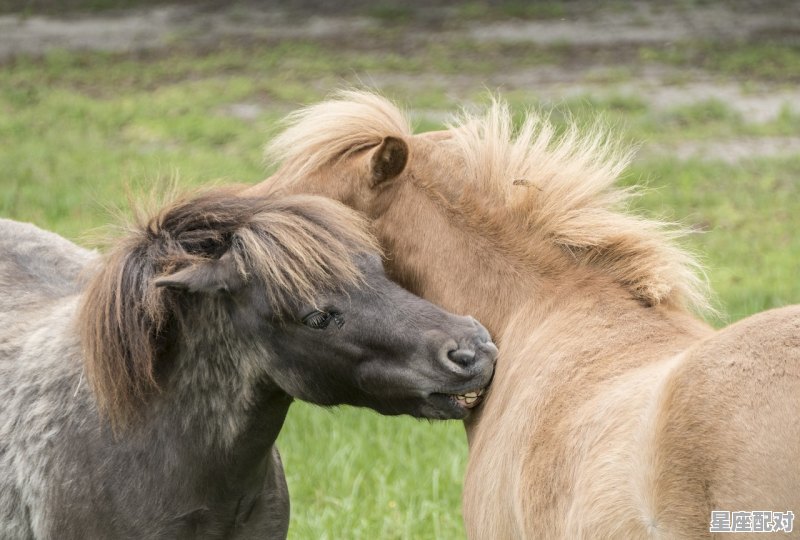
pixel 583 24
pixel 649 22
pixel 158 27
pixel 755 102
pixel 598 50
pixel 727 151
pixel 129 32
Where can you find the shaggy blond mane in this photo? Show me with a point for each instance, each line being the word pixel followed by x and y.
pixel 561 186
pixel 293 246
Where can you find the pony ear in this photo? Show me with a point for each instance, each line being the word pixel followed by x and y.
pixel 206 276
pixel 388 160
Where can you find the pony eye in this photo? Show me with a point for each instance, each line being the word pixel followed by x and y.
pixel 317 320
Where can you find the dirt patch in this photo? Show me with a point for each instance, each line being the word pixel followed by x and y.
pixel 648 22
pixel 583 24
pixel 727 151
pixel 128 32
pixel 755 103
pixel 154 28
pixel 583 30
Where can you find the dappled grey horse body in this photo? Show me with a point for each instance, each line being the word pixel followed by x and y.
pixel 98 447
pixel 66 476
pixel 62 472
pixel 36 266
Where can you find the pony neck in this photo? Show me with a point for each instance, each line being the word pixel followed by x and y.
pixel 593 313
pixel 474 262
pixel 217 390
pixel 450 262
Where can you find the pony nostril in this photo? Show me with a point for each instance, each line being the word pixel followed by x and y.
pixel 462 357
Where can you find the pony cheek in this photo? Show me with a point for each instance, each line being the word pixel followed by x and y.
pixel 388 382
pixel 356 194
pixel 379 200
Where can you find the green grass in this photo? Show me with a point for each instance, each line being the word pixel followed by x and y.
pixel 515 9
pixel 76 129
pixel 355 474
pixel 747 217
pixel 391 13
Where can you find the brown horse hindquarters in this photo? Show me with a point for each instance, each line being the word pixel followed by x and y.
pixel 728 436
pixel 648 453
pixel 582 465
pixel 578 471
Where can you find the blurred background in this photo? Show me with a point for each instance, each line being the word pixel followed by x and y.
pixel 97 96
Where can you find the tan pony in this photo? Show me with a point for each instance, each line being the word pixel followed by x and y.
pixel 615 412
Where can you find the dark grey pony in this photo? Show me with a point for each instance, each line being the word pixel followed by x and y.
pixel 144 401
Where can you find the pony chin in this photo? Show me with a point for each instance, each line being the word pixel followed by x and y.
pixel 445 407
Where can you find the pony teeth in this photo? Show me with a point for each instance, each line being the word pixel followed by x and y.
pixel 469 398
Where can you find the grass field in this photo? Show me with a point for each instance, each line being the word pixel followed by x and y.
pixel 77 129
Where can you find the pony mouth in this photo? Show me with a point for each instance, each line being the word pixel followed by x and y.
pixel 468 400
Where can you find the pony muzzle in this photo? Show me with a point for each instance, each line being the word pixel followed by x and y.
pixel 474 360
